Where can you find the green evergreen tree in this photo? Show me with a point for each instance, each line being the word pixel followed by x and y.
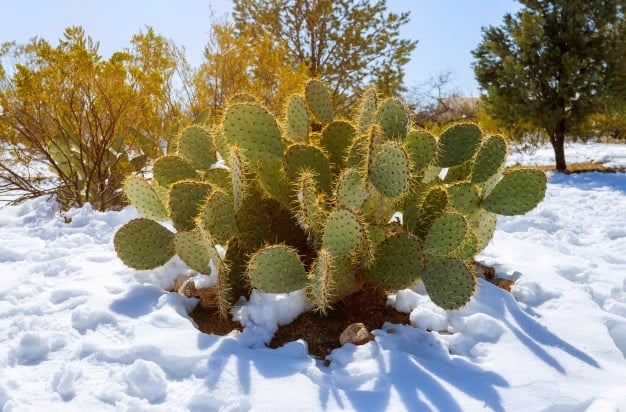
pixel 553 64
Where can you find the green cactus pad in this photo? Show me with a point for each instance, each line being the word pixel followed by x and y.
pixel 276 269
pixel 218 216
pixel 202 118
pixel 196 145
pixel 320 282
pixel 465 199
pixel 144 244
pixel 377 209
pixel 412 206
pixel 236 260
pixel 342 233
pixel 231 280
pixel 367 110
pixel 254 131
pixel 449 282
pixel 224 291
pixel 518 192
pixel 446 234
pixel 468 248
pixel 319 101
pixel 458 173
pixel 398 262
pixel 433 205
pixel 431 174
pixel 185 202
pixel 357 153
pixel 300 157
pixel 171 169
pixel 237 176
pixel 389 170
pixel 219 177
pixel 376 234
pixel 337 137
pixel 222 145
pixel 163 192
pixel 273 181
pixel 484 228
pixel 458 144
pixel 232 283
pixel 172 137
pixel 393 119
pixel 208 243
pixel 310 213
pixel 190 249
pixel 143 198
pixel 265 221
pixel 297 119
pixel 351 191
pixel 489 159
pixel 422 149
pixel 343 277
pixel 330 280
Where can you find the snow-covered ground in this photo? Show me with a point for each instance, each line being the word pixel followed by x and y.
pixel 81 332
pixel 610 155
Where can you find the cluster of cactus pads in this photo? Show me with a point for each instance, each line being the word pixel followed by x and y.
pixel 311 201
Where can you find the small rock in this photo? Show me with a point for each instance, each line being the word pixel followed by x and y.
pixel 180 281
pixel 355 333
pixel 188 289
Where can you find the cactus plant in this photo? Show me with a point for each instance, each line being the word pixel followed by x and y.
pixel 297 119
pixel 319 101
pixel 144 244
pixel 299 209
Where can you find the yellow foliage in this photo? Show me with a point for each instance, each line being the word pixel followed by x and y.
pixel 89 120
pixel 232 67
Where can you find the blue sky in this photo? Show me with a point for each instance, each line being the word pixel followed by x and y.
pixel 447 30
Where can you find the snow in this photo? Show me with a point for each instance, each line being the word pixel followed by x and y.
pixel 80 331
pixel 610 155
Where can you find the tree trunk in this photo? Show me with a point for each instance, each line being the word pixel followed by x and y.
pixel 558 144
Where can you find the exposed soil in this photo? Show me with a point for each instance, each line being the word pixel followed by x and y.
pixel 489 274
pixel 321 333
pixel 209 321
pixel 368 306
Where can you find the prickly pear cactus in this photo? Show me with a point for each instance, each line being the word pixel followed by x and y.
pixel 309 201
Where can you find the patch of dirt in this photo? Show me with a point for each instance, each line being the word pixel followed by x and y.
pixel 489 274
pixel 209 321
pixel 368 306
pixel 321 333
